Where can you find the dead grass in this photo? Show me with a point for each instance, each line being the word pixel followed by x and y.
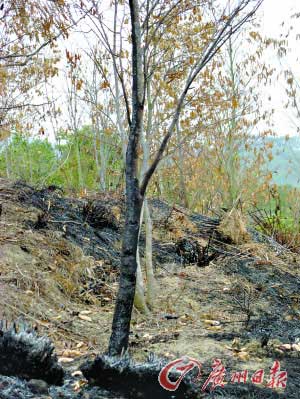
pixel 42 276
pixel 175 227
pixel 43 280
pixel 233 227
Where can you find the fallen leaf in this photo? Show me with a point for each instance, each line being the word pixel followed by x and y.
pixel 214 328
pixel 79 384
pixel 243 355
pixel 296 347
pixel 285 347
pixel 85 318
pixel 204 316
pixel 288 347
pixel 70 353
pixel 65 359
pixel 147 336
pixel 212 322
pixel 77 373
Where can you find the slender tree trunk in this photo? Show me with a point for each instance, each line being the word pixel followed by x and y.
pixel 182 190
pixel 124 303
pixel 117 89
pixel 151 282
pixel 103 166
pixel 139 298
pixel 78 159
pixel 231 158
pixel 98 126
pixel 96 156
pixel 103 154
pixel 160 183
pixel 7 161
pixel 29 162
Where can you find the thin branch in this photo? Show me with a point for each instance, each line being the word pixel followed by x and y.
pixel 18 106
pixel 29 56
pixel 221 37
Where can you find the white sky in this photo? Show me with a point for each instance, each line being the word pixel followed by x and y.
pixel 274 12
pixel 271 14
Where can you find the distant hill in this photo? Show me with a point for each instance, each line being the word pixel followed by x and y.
pixel 285 165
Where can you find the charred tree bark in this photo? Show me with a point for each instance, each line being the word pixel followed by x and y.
pixel 135 192
pixel 134 200
pixel 124 303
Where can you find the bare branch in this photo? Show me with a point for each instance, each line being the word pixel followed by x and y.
pixel 221 36
pixel 28 57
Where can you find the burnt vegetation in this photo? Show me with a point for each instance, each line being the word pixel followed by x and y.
pixel 189 248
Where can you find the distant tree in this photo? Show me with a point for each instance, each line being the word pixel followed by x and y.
pixel 30 30
pixel 27 159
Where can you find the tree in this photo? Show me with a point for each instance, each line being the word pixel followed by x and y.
pixel 30 30
pixel 27 28
pixel 233 164
pixel 26 159
pixel 145 23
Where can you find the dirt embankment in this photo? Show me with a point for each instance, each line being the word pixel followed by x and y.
pixel 234 298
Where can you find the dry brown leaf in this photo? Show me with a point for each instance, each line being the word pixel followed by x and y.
pixel 44 323
pixel 289 317
pixel 71 353
pixel 65 359
pixel 85 318
pixel 147 336
pixel 285 347
pixel 212 322
pixel 243 355
pixel 204 316
pixel 296 347
pixel 79 384
pixel 214 328
pixel 289 347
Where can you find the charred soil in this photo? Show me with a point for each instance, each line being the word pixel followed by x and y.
pixel 236 298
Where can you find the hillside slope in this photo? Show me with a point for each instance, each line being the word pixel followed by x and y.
pixel 59 263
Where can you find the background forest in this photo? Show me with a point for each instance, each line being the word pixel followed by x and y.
pixel 65 84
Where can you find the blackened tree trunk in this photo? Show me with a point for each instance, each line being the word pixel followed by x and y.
pixel 135 192
pixel 124 303
pixel 134 200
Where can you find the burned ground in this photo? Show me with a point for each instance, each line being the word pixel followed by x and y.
pixel 59 265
